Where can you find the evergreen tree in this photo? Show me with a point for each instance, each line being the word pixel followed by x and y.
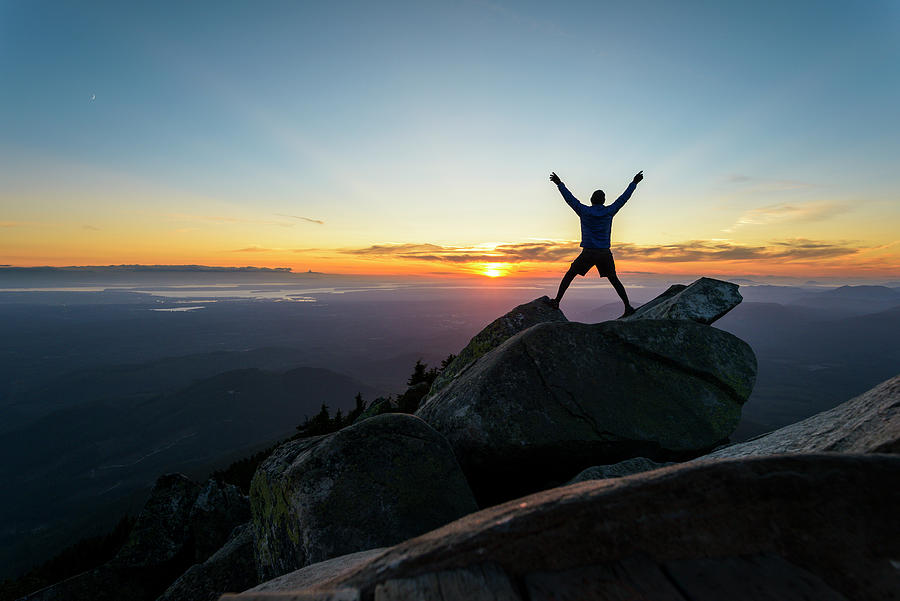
pixel 358 410
pixel 419 374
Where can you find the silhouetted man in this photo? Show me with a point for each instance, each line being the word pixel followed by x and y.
pixel 596 225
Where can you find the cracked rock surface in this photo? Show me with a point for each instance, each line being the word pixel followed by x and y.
pixel 704 301
pixel 560 397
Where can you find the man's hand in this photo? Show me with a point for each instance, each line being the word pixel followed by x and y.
pixel 637 178
pixel 555 179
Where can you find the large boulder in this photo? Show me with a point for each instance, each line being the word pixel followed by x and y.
pixel 704 301
pixel 869 423
pixel 521 318
pixel 560 397
pixel 776 527
pixel 372 484
pixel 161 533
pixel 232 568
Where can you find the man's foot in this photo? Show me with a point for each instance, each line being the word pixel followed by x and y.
pixel 629 310
pixel 553 303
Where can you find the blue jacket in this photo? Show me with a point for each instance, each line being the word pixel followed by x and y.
pixel 596 220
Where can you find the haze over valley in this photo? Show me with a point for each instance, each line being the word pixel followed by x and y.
pixel 105 386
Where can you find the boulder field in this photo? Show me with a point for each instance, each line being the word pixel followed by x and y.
pixel 527 406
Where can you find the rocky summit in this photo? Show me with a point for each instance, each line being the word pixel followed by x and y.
pixel 375 483
pixel 559 397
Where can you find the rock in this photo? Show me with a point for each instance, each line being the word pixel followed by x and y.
pixel 704 301
pixel 378 406
pixel 230 569
pixel 179 523
pixel 409 401
pixel 161 532
pixel 819 526
pixel 869 423
pixel 318 572
pixel 495 333
pixel 372 484
pixel 635 465
pixel 218 509
pixel 560 397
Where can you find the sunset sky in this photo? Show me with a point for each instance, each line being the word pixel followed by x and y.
pixel 417 137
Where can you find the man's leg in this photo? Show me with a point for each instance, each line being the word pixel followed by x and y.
pixel 620 289
pixel 564 285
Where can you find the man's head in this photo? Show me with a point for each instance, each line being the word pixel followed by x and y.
pixel 598 197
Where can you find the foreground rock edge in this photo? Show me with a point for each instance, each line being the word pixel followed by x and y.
pixel 782 504
pixel 867 423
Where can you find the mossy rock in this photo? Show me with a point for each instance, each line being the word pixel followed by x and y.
pixel 497 332
pixel 375 483
pixel 560 397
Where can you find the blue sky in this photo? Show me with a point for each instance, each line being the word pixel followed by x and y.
pixel 439 121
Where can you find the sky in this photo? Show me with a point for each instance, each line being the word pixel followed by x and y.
pixel 417 137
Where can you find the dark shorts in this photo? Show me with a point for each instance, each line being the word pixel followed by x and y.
pixel 589 257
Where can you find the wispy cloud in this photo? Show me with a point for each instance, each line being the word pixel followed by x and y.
pixel 500 253
pixel 90 227
pixel 222 219
pixel 561 251
pixel 298 217
pixel 789 213
pixel 761 184
pixel 253 249
pixel 706 251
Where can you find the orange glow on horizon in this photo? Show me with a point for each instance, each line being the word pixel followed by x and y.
pixel 495 270
pixel 866 263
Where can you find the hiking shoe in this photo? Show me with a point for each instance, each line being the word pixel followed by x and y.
pixel 628 311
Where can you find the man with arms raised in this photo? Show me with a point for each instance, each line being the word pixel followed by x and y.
pixel 596 225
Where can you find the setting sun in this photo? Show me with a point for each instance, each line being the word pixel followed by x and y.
pixel 495 270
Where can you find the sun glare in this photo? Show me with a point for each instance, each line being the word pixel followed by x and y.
pixel 494 270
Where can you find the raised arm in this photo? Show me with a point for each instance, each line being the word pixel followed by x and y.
pixel 567 196
pixel 627 193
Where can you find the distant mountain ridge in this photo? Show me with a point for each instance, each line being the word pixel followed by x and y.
pixel 142 381
pixel 96 453
pixel 852 299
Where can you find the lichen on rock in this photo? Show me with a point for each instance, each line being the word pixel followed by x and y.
pixel 520 318
pixel 375 483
